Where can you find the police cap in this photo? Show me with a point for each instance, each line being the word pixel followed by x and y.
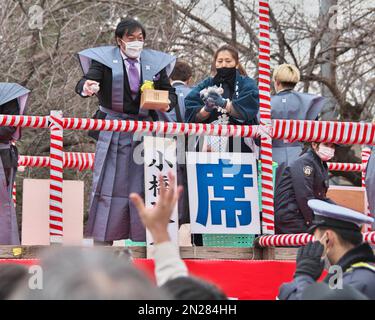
pixel 335 216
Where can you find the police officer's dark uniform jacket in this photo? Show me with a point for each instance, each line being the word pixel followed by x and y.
pixel 306 178
pixel 357 265
pixel 359 269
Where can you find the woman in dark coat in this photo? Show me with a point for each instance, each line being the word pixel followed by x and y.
pixel 235 102
pixel 238 103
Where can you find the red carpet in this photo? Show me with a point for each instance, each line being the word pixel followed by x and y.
pixel 241 279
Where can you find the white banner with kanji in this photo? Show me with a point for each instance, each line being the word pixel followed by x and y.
pixel 160 158
pixel 223 192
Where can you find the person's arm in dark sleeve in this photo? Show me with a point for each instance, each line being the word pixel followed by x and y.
pixel 95 73
pixel 193 101
pixel 309 267
pixel 303 173
pixel 10 108
pixel 247 103
pixel 162 83
pixel 293 290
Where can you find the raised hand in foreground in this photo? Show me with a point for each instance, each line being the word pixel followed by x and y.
pixel 156 218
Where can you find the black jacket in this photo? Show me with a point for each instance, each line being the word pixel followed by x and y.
pixel 306 178
pixel 358 266
pixel 102 74
pixel 9 157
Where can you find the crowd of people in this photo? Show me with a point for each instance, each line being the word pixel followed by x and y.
pixel 115 75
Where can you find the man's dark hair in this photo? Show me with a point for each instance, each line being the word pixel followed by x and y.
pixel 182 71
pixel 10 276
pixel 352 237
pixel 190 288
pixel 128 26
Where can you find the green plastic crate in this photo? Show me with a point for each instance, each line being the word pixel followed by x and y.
pixel 228 240
pixel 129 243
pixel 238 240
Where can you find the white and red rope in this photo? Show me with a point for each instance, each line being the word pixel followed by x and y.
pixel 325 131
pixel 290 240
pixel 264 66
pixel 85 161
pixel 33 161
pixel 80 161
pixel 71 160
pixel 171 128
pixel 56 177
pixel 24 121
pixel 369 237
pixel 292 130
pixel 284 240
pixel 336 166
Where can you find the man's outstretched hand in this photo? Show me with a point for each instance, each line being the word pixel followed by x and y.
pixel 156 218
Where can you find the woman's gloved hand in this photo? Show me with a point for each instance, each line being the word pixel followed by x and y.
pixel 209 105
pixel 217 99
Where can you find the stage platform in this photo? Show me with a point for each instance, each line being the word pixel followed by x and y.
pixel 206 253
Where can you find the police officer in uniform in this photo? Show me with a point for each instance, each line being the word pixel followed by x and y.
pixel 304 179
pixel 340 243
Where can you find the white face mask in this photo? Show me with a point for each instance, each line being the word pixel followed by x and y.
pixel 133 49
pixel 325 153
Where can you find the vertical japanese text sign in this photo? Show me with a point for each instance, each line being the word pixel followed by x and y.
pixel 223 193
pixel 160 158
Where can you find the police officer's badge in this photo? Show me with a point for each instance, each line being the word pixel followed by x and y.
pixel 307 170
